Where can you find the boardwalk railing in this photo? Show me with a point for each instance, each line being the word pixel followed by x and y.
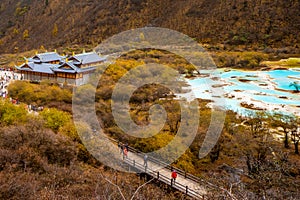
pixel 156 174
pixel 167 166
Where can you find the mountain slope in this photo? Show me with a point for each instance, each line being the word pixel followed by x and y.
pixel 27 24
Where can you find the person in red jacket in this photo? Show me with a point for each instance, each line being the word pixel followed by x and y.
pixel 174 176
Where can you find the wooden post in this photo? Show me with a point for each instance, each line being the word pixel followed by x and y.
pixel 157 175
pixel 186 189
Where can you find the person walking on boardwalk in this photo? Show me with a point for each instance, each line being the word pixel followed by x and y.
pixel 174 176
pixel 120 147
pixel 125 153
pixel 146 160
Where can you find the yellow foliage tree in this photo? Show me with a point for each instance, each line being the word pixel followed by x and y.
pixel 55 30
pixel 15 31
pixel 25 34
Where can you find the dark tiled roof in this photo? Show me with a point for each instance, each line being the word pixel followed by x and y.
pixel 36 60
pixel 38 67
pixel 71 68
pixel 46 57
pixel 51 68
pixel 29 66
pixel 86 58
pixel 73 71
pixel 39 63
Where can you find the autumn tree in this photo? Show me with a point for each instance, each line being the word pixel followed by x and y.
pixel 12 114
pixel 25 34
pixel 44 94
pixel 286 122
pixel 295 134
pixel 259 136
pixel 15 31
pixel 55 119
pixel 257 123
pixel 55 30
pixel 21 11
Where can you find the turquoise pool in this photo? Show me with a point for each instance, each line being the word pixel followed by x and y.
pixel 271 88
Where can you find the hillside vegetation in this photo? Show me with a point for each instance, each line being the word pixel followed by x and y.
pixel 248 159
pixel 41 157
pixel 224 24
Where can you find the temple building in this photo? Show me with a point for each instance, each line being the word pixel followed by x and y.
pixel 74 70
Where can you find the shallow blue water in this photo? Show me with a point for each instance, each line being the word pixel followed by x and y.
pixel 279 74
pixel 275 100
pixel 283 78
pixel 280 79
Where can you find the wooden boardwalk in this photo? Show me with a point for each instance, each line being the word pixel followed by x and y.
pixel 185 183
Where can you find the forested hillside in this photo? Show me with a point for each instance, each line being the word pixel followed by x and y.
pixel 255 24
pixel 256 156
